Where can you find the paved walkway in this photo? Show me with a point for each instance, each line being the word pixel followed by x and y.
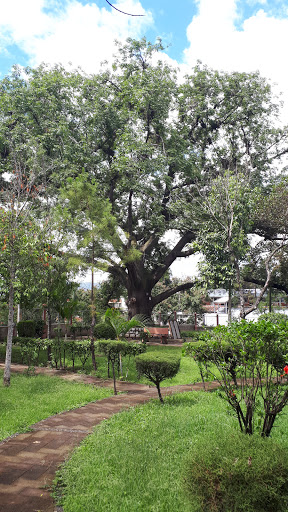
pixel 28 462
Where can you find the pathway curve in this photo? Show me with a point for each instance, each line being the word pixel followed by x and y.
pixel 28 462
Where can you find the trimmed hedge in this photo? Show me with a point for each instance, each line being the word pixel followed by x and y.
pixel 157 367
pixel 104 331
pixel 240 474
pixel 26 328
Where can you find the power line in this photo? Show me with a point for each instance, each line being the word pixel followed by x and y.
pixel 122 12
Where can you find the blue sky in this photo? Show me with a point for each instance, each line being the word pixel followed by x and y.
pixel 66 30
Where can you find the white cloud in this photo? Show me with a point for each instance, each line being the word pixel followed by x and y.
pixel 260 44
pixel 81 34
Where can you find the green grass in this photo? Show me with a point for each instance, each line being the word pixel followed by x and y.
pixel 134 461
pixel 188 373
pixel 30 399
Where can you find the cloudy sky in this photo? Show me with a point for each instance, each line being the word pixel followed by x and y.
pixel 225 34
pixel 241 35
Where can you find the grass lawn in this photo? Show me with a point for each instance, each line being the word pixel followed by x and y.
pixel 134 461
pixel 32 398
pixel 188 374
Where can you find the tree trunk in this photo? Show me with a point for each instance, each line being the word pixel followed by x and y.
pixel 8 358
pixel 230 304
pixel 49 331
pixel 159 392
pixel 139 302
pixel 93 319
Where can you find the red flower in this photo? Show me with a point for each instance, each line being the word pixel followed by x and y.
pixel 286 369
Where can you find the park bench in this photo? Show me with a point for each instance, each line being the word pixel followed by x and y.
pixel 158 332
pixel 164 333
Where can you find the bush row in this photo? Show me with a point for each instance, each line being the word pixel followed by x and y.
pixel 35 328
pixel 58 350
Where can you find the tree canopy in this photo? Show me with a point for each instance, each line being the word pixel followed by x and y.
pixel 143 146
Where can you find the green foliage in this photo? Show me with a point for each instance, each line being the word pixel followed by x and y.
pixel 224 238
pixel 253 355
pixel 274 318
pixel 195 335
pixel 189 301
pixel 26 328
pixel 39 328
pixel 104 331
pixel 113 349
pixel 239 474
pixel 121 326
pixel 29 350
pixel 157 368
pixel 83 350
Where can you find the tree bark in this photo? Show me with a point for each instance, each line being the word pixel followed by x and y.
pixel 8 358
pixel 92 346
pixel 139 301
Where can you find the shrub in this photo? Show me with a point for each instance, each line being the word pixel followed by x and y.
pixel 26 328
pixel 104 331
pixel 239 474
pixel 113 349
pixel 253 355
pixel 157 367
pixel 29 349
pixel 274 318
pixel 39 328
pixel 83 350
pixel 134 349
pixel 195 335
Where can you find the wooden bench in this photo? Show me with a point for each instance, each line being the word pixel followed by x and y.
pixel 158 332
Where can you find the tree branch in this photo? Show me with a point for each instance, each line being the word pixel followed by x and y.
pixel 171 257
pixel 168 293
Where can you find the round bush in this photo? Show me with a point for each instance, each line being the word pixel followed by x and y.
pixel 240 473
pixel 157 367
pixel 103 331
pixel 26 328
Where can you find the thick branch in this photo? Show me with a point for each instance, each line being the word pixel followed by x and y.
pixel 168 293
pixel 118 272
pixel 184 254
pixel 171 257
pixel 278 286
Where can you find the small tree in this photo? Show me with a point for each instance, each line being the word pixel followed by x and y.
pixel 257 354
pixel 157 368
pixel 112 349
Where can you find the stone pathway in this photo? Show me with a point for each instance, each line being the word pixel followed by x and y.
pixel 28 462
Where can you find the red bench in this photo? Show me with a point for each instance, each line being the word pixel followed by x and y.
pixel 158 332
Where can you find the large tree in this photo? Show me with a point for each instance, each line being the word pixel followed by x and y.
pixel 151 144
